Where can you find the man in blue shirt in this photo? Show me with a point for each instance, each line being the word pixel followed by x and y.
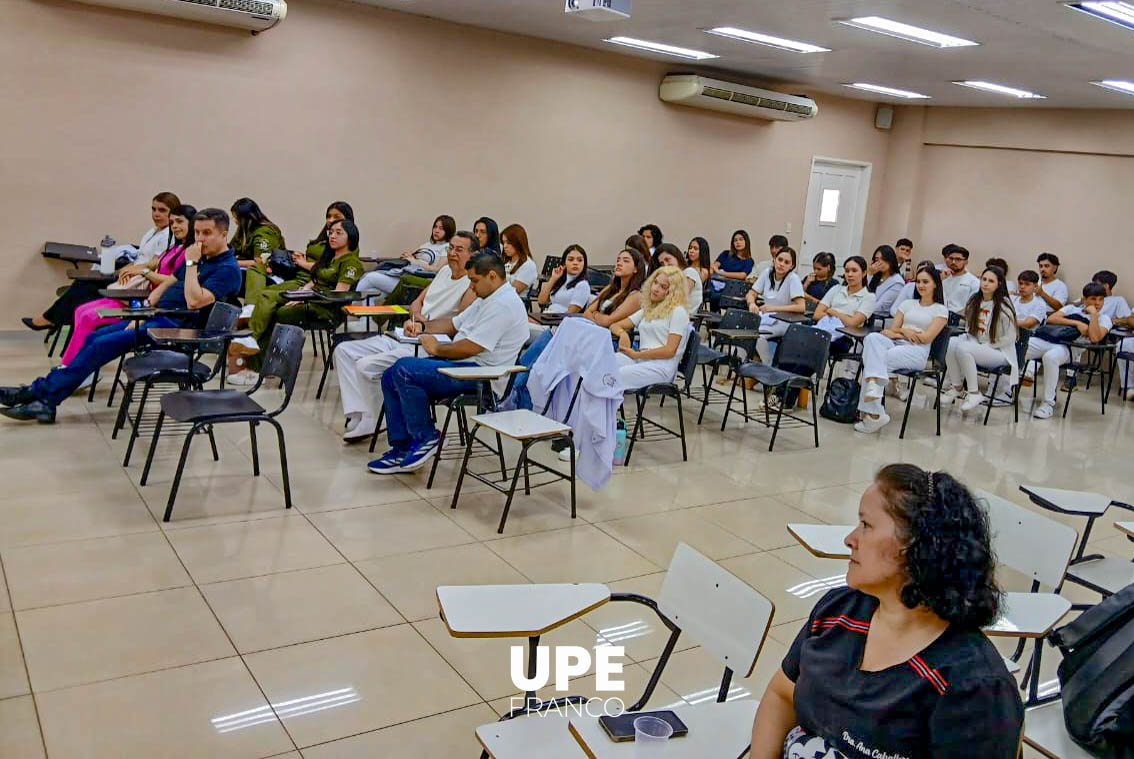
pixel 210 273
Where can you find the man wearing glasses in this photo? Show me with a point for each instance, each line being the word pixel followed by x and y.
pixel 957 281
pixel 361 363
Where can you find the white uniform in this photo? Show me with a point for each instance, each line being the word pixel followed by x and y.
pixel 385 281
pixel 565 297
pixel 887 293
pixel 1034 309
pixel 966 353
pixel 153 244
pixel 1056 289
pixel 697 294
pixel 958 288
pixel 526 275
pixel 1055 355
pixel 784 295
pixel 882 355
pixel 636 373
pixel 909 290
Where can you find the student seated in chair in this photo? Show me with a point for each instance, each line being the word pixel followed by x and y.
pixel 896 663
pixel 848 305
pixel 958 282
pixel 663 327
pixel 518 261
pixel 697 254
pixel 622 296
pixel 1029 307
pixel 1116 307
pixel 990 342
pixel 782 292
pixel 903 345
pixel 1091 323
pixel 1053 291
pixel 210 273
pixel 427 258
pixel 361 363
pixel 903 248
pixel 490 332
pixel 255 238
pixel 886 280
pixel 821 279
pixel 671 255
pixel 567 290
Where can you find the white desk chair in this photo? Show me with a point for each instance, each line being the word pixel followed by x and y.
pixel 722 613
pixel 1045 731
pixel 1104 575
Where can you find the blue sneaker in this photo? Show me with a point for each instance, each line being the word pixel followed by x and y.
pixel 390 463
pixel 421 453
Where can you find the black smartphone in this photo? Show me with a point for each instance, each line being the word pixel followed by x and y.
pixel 621 728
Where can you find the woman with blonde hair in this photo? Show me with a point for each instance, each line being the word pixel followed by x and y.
pixel 663 328
pixel 518 262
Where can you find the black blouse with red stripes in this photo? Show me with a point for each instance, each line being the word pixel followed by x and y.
pixel 954 699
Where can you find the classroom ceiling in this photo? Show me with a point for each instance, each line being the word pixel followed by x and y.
pixel 1035 45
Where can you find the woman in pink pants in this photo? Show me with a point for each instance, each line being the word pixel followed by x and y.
pixel 155 271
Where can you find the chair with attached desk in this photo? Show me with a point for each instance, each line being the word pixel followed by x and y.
pixel 205 408
pixel 725 340
pixel 686 368
pixel 733 293
pixel 1046 732
pixel 699 598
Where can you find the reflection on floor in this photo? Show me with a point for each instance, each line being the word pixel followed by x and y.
pixel 239 630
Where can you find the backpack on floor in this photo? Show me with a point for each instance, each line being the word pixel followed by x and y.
pixel 1097 676
pixel 841 403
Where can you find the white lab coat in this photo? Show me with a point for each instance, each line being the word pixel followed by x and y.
pixel 580 347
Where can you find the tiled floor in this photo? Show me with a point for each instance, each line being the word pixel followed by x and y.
pixel 242 630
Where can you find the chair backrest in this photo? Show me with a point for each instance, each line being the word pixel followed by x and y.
pixel 803 350
pixel 715 608
pixel 283 357
pixel 222 317
pixel 1030 543
pixel 688 366
pixel 1022 338
pixel 549 265
pixel 939 348
pixel 735 288
pixel 739 318
pixel 598 279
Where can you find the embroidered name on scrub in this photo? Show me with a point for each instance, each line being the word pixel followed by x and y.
pixel 865 750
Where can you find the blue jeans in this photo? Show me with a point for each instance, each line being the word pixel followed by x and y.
pixel 407 387
pixel 103 345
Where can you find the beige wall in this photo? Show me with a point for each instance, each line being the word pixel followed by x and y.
pixel 402 116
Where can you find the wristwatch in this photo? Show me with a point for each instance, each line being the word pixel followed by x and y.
pixel 190 262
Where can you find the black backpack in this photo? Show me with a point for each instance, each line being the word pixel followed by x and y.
pixel 1097 676
pixel 841 403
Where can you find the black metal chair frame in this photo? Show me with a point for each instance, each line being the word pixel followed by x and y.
pixel 732 294
pixel 686 369
pixel 995 374
pixel 713 356
pixel 786 380
pixel 934 369
pixel 282 361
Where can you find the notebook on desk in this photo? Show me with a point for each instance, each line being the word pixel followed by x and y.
pixel 376 310
pixel 400 336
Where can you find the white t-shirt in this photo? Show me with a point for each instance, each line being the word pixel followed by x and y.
pixel 1034 308
pixel 499 324
pixel 527 273
pixel 790 289
pixel 1056 289
pixel 1116 307
pixel 909 290
pixel 697 294
pixel 838 299
pixel 1104 321
pixel 443 294
pixel 918 317
pixel 565 297
pixel 427 255
pixel 152 244
pixel 1005 325
pixel 958 288
pixel 655 332
pixel 887 292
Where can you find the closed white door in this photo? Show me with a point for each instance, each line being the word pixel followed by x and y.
pixel 836 209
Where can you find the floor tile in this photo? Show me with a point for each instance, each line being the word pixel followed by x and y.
pixel 209 709
pixel 50 518
pixel 547 508
pixel 19 729
pixel 314 490
pixel 293 607
pixel 656 536
pixel 214 499
pixel 247 549
pixel 375 531
pixel 439 737
pixel 13 676
pixel 577 554
pixel 409 581
pixel 82 570
pixel 5 604
pixel 760 521
pixel 119 636
pixel 792 590
pixel 351 684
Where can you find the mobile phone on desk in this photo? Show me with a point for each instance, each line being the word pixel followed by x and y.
pixel 621 728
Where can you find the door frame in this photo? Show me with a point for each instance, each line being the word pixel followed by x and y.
pixel 862 200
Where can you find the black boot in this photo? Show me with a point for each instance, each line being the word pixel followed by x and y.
pixel 38 410
pixel 16 396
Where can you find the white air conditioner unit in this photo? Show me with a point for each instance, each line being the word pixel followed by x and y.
pixel 256 15
pixel 714 94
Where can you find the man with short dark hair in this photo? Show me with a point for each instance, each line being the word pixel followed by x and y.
pixel 490 332
pixel 1052 290
pixel 904 248
pixel 776 243
pixel 957 283
pixel 210 273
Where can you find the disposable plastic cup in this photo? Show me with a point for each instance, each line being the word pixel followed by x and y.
pixel 650 735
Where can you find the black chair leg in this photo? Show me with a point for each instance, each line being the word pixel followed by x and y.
pixel 153 447
pixel 991 398
pixel 641 402
pixel 377 427
pixel 1067 402
pixel 681 427
pixel 94 384
pixel 283 462
pixel 255 450
pixel 937 403
pixel 464 468
pixel 504 467
pixel 212 442
pixel 705 386
pixel 440 447
pixel 906 416
pixel 117 379
pixel 137 421
pixel 571 445
pixel 731 395
pixel 815 415
pixel 521 464
pixel 123 409
pixel 779 416
pixel 177 475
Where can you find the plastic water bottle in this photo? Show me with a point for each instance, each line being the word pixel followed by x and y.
pixel 620 443
pixel 135 303
pixel 106 255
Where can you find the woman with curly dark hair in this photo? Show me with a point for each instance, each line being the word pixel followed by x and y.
pixel 896 665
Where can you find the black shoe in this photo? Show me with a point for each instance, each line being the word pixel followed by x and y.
pixel 30 324
pixel 37 410
pixel 16 396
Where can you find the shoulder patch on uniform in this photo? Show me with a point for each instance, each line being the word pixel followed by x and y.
pixel 262 244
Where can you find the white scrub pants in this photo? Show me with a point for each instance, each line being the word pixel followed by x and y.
pixel 965 354
pixel 773 329
pixel 382 281
pixel 1127 345
pixel 1052 356
pixel 359 365
pixel 880 356
pixel 638 374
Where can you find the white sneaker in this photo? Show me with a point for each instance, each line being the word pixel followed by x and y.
pixel 904 389
pixel 870 426
pixel 948 395
pixel 1006 396
pixel 565 454
pixel 364 430
pixel 242 379
pixel 972 400
pixel 1130 394
pixel 1044 410
pixel 248 342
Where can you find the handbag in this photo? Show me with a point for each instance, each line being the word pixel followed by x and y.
pixel 1059 333
pixel 136 282
pixel 280 264
pixel 841 403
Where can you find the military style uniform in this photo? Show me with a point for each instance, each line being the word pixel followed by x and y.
pixel 256 246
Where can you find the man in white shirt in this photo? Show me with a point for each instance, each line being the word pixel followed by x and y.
pixel 1116 307
pixel 904 249
pixel 1052 290
pixel 1030 309
pixel 490 332
pixel 361 363
pixel 957 282
pixel 1054 355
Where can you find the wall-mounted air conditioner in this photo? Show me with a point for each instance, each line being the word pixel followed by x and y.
pixel 256 15
pixel 714 94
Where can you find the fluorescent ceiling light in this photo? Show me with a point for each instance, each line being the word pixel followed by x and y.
pixel 1118 85
pixel 766 39
pixel 1115 12
pixel 657 47
pixel 892 92
pixel 907 32
pixel 1000 89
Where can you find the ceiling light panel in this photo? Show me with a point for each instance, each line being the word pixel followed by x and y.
pixel 658 47
pixel 878 89
pixel 1120 13
pixel 907 32
pixel 1118 85
pixel 1000 89
pixel 768 40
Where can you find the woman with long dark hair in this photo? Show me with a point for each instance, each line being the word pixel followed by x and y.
pixel 487 234
pixel 886 279
pixel 255 238
pixel 698 255
pixel 734 263
pixel 623 295
pixel 653 236
pixel 821 279
pixel 895 664
pixel 782 292
pixel 518 261
pixel 567 291
pixel 848 305
pixel 669 254
pixel 989 341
